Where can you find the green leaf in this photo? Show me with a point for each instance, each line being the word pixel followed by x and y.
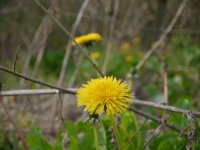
pixel 80 135
pixel 130 124
pixel 36 140
pixel 167 141
pixel 106 124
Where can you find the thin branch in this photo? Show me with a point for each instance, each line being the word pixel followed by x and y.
pixel 165 86
pixel 164 107
pixel 110 41
pixel 138 129
pixel 18 131
pixel 147 116
pixel 152 134
pixel 16 57
pixel 47 25
pixel 67 54
pixel 36 81
pixel 76 71
pixel 33 92
pixel 38 40
pixel 192 128
pixel 60 110
pixel 134 27
pixel 67 33
pixel 73 91
pixel 162 38
pixel 69 45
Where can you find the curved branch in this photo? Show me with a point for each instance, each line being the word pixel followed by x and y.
pixel 36 81
pixel 70 36
pixel 156 120
pixel 162 38
pixel 164 107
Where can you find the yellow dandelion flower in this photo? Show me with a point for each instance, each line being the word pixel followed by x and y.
pixel 85 39
pixel 125 46
pixel 136 40
pixel 95 55
pixel 105 93
pixel 128 58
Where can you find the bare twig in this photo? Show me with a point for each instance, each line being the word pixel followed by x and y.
pixel 134 27
pixel 73 92
pixel 69 45
pixel 152 134
pixel 67 33
pixel 16 57
pixel 18 131
pixel 165 86
pixel 47 24
pixel 192 126
pixel 36 81
pixel 76 71
pixel 160 121
pixel 37 43
pixel 136 132
pixel 110 41
pixel 67 55
pixel 34 92
pixel 164 107
pixel 43 39
pixel 162 38
pixel 61 108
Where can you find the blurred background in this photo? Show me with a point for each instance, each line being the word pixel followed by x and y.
pixel 129 28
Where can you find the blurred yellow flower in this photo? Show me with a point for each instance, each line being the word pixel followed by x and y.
pixel 136 40
pixel 104 94
pixel 140 54
pixel 85 39
pixel 95 55
pixel 125 46
pixel 128 58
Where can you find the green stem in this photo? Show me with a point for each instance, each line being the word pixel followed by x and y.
pixel 96 137
pixel 113 123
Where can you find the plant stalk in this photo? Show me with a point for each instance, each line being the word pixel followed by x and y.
pixel 96 137
pixel 113 123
